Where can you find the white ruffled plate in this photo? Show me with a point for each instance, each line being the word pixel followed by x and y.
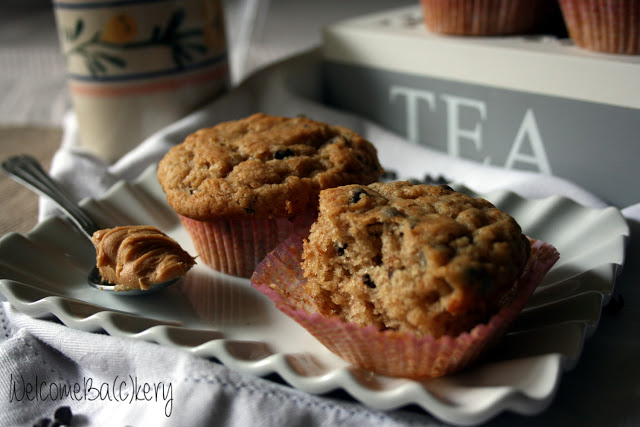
pixel 214 315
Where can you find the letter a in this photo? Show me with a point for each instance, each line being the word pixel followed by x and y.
pixel 539 157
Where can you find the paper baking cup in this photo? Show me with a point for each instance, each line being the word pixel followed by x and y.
pixel 480 17
pixel 392 353
pixel 604 25
pixel 237 246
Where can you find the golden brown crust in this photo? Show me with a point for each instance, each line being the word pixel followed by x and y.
pixel 263 167
pixel 409 257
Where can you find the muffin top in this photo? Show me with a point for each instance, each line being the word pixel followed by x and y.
pixel 263 167
pixel 417 258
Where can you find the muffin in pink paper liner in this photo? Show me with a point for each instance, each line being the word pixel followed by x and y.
pixel 610 26
pixel 236 246
pixel 405 279
pixel 243 186
pixel 411 257
pixel 389 352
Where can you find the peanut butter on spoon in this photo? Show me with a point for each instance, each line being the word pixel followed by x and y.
pixel 139 257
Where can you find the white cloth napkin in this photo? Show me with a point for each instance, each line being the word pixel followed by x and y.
pixel 115 371
pixel 203 392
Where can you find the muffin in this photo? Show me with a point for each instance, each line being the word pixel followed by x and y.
pixel 417 258
pixel 610 26
pixel 406 280
pixel 481 17
pixel 243 186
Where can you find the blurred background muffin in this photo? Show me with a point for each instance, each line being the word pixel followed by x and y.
pixel 482 17
pixel 610 26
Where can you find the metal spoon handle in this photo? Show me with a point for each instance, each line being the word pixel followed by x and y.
pixel 26 170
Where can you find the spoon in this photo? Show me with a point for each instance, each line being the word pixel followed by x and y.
pixel 27 171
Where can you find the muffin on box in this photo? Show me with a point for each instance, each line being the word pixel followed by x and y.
pixel 481 17
pixel 406 280
pixel 243 186
pixel 610 26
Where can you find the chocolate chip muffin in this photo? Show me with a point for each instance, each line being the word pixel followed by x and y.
pixel 417 258
pixel 263 167
pixel 242 186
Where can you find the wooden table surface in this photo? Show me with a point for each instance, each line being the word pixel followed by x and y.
pixel 18 205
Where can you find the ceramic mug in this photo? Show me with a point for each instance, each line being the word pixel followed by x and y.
pixel 135 66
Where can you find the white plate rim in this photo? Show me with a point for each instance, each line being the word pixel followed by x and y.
pixel 30 301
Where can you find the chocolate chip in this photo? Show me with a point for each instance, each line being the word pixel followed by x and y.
pixel 390 212
pixel 281 154
pixel 389 175
pixel 437 180
pixel 480 277
pixel 42 422
pixel 375 229
pixel 63 415
pixel 367 280
pixel 356 195
pixel 340 248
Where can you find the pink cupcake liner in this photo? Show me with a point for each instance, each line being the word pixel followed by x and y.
pixel 237 246
pixel 610 26
pixel 398 354
pixel 481 17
